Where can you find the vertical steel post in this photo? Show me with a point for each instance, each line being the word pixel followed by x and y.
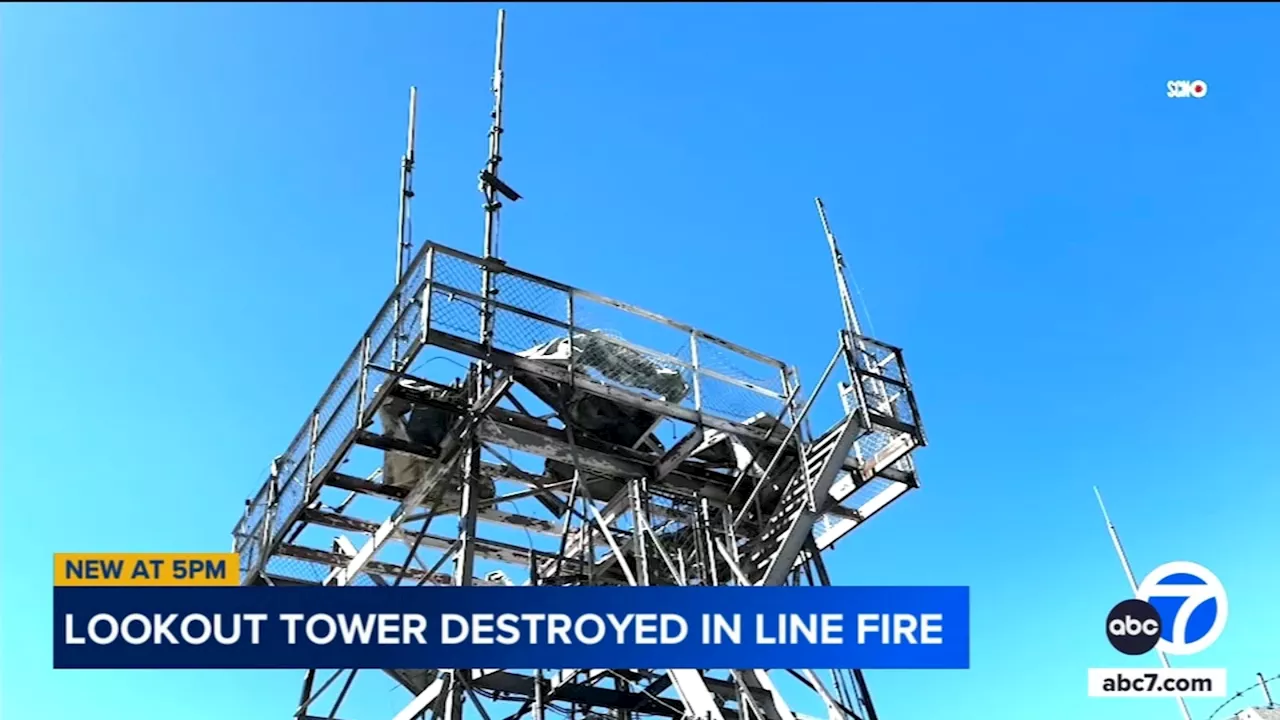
pixel 428 273
pixel 464 570
pixel 864 694
pixel 492 205
pixel 311 455
pixel 697 375
pixel 404 239
pixel 362 386
pixel 641 542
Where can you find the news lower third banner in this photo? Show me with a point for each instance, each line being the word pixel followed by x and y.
pixel 105 623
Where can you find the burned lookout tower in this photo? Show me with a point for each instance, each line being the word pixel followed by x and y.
pixel 531 454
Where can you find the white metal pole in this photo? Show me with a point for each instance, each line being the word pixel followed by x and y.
pixel 1133 583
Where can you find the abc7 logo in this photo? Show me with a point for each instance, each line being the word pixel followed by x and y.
pixel 1133 627
pixel 1194 620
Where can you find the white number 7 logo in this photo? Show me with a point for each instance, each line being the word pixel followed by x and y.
pixel 1194 595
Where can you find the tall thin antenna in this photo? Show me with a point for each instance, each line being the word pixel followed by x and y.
pixel 492 187
pixel 492 204
pixel 404 242
pixel 852 393
pixel 404 233
pixel 837 259
pixel 1133 583
pixel 490 184
pixel 1115 540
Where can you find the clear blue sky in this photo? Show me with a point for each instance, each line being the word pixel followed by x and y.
pixel 198 218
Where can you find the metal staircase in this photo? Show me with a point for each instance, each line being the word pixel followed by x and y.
pixel 880 414
pixel 775 550
pixel 833 469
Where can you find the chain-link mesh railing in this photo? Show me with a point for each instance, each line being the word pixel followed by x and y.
pixel 884 381
pixel 881 395
pixel 606 341
pixel 887 395
pixel 329 430
pixel 610 343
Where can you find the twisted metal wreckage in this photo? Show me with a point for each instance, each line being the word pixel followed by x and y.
pixel 555 412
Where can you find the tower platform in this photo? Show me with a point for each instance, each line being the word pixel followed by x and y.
pixel 581 441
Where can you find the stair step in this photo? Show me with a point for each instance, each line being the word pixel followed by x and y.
pixel 815 464
pixel 791 507
pixel 774 534
pixel 773 530
pixel 797 489
pixel 764 562
pixel 761 553
pixel 798 480
pixel 823 445
pixel 801 495
pixel 798 486
pixel 827 440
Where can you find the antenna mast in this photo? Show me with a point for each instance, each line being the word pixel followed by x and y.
pixel 492 205
pixel 1133 583
pixel 404 233
pixel 491 185
pixel 837 259
pixel 1115 540
pixel 853 394
pixel 492 188
pixel 404 242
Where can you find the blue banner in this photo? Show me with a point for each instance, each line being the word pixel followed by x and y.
pixel 522 627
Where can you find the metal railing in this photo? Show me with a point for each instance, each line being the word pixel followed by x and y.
pixel 441 293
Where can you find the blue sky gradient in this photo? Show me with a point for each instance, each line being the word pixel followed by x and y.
pixel 198 220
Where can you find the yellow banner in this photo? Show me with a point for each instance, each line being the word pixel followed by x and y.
pixel 146 569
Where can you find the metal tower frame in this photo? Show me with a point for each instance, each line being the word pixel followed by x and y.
pixel 541 463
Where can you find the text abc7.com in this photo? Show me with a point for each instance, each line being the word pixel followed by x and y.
pixel 1180 609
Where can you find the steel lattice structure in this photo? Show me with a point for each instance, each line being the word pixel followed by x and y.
pixel 532 454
